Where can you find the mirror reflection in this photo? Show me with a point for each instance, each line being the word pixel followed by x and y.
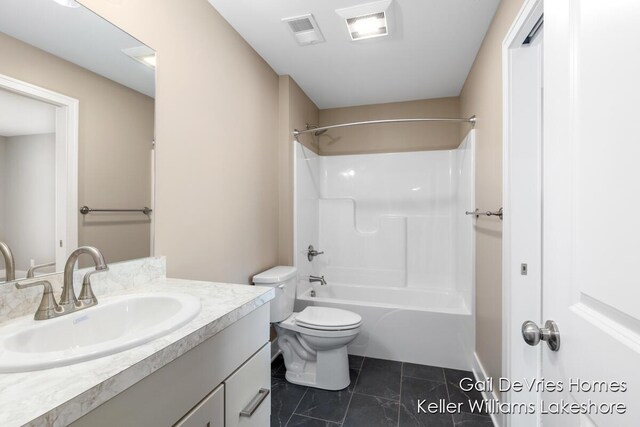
pixel 76 137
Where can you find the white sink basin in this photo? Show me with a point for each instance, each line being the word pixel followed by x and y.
pixel 114 325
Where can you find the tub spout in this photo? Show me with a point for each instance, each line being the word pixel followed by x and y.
pixel 320 279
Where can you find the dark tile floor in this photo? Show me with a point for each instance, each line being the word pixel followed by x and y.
pixel 382 393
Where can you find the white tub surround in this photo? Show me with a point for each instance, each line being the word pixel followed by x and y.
pixel 398 248
pixel 59 396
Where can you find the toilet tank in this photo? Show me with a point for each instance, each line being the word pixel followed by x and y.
pixel 283 279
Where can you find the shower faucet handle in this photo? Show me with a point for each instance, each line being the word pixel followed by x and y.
pixel 311 253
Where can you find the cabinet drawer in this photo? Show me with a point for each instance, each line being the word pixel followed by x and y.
pixel 248 392
pixel 208 413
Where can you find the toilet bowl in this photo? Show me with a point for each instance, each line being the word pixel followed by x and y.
pixel 313 341
pixel 316 355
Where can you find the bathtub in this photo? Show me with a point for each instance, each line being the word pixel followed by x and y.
pixel 428 327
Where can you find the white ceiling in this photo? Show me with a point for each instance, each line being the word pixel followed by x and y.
pixel 429 54
pixel 79 36
pixel 20 115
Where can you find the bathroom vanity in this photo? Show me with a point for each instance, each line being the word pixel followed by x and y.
pixel 224 381
pixel 213 371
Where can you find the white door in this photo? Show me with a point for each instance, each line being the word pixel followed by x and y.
pixel 591 207
pixel 522 229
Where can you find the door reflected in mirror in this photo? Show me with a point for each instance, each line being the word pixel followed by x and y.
pixel 76 130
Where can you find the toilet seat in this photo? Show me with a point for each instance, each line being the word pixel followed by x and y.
pixel 291 325
pixel 327 319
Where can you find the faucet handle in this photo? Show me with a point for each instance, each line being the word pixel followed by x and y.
pixel 87 297
pixel 48 307
pixel 32 270
pixel 311 253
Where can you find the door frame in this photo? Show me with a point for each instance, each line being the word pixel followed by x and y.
pixel 67 122
pixel 527 17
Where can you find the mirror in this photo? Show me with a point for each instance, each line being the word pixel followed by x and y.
pixel 76 130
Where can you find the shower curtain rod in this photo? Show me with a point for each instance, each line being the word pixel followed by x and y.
pixel 471 120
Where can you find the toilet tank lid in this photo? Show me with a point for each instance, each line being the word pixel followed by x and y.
pixel 278 274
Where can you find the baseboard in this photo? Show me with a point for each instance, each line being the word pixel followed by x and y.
pixel 481 375
pixel 275 350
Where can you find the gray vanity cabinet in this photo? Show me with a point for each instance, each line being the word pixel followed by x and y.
pixel 242 401
pixel 224 381
pixel 247 392
pixel 208 413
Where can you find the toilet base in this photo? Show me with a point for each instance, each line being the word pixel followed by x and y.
pixel 327 369
pixel 330 372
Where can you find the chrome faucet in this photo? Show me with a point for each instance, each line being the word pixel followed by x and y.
pixel 49 308
pixel 313 279
pixel 9 262
pixel 68 300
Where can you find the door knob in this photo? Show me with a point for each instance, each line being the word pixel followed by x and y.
pixel 533 334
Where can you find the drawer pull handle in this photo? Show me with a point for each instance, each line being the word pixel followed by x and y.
pixel 255 402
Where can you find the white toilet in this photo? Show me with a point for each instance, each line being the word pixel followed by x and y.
pixel 314 341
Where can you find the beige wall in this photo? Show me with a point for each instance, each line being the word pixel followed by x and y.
pixel 115 132
pixel 391 137
pixel 296 110
pixel 482 95
pixel 217 140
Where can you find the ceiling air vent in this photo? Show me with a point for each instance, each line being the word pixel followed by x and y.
pixel 304 29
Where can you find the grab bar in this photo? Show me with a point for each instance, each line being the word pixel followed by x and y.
pixel 86 209
pixel 477 213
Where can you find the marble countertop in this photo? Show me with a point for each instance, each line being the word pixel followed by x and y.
pixel 59 396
